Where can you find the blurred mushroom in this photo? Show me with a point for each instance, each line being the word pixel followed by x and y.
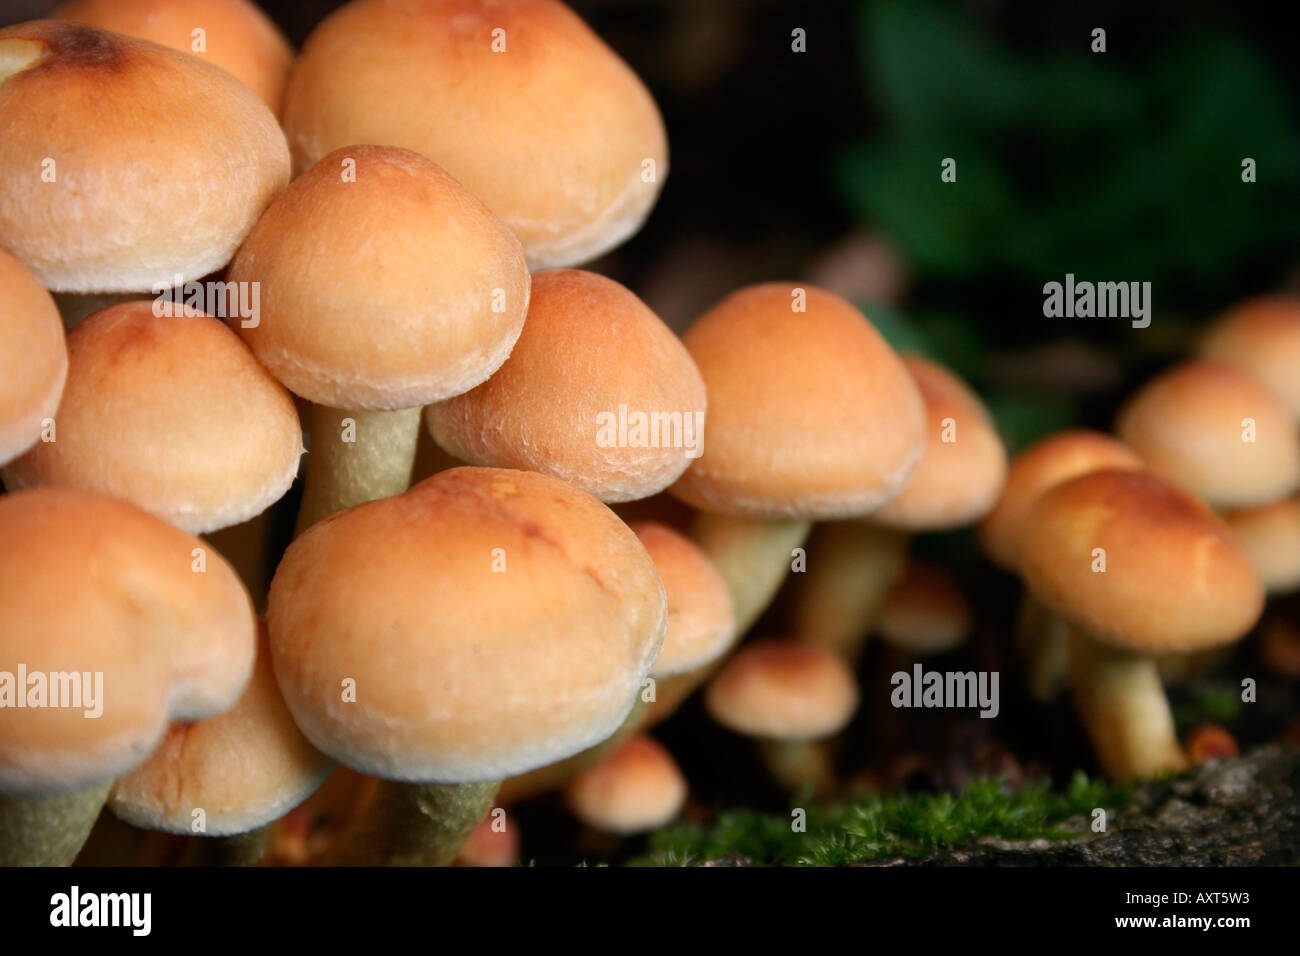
pixel 163 643
pixel 237 36
pixel 518 100
pixel 1217 432
pixel 519 617
pixel 1261 336
pixel 636 788
pixel 1271 536
pixel 419 314
pixel 924 612
pixel 597 392
pixel 122 136
pixel 494 842
pixel 789 696
pixel 1210 742
pixel 1138 567
pixel 33 360
pixel 241 769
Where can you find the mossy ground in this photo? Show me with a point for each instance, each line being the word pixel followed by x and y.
pixel 885 826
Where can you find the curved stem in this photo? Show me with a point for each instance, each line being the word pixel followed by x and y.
pixel 1123 707
pixel 48 830
pixel 356 457
pixel 412 824
pixel 753 555
pixel 851 567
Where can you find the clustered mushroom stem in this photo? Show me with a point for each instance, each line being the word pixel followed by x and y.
pixel 849 573
pixel 356 456
pixel 1122 705
pixel 48 830
pixel 753 555
pixel 1043 640
pixel 799 765
pixel 412 824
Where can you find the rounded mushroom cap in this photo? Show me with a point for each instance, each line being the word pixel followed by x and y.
pixel 783 690
pixel 1217 432
pixel 925 612
pixel 811 414
pixel 243 768
pixel 420 313
pixel 591 363
pixel 1262 337
pixel 103 600
pixel 636 788
pixel 170 413
pixel 237 35
pixel 1271 536
pixel 517 99
pixel 487 622
pixel 701 622
pixel 113 140
pixel 964 465
pixel 33 359
pixel 1140 564
pixel 1041 467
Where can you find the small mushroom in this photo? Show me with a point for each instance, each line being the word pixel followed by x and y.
pixel 1261 336
pixel 597 392
pixel 925 612
pixel 1138 567
pixel 637 788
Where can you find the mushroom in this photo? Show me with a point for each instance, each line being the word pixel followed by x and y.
pixel 242 769
pixel 1261 336
pixel 925 612
pixel 788 695
pixel 597 392
pixel 1041 636
pixel 1271 536
pixel 637 788
pixel 237 36
pixel 518 100
pixel 481 624
pixel 33 359
pixel 371 331
pixel 1216 431
pixel 167 643
pixel 170 413
pixel 1138 567
pixel 955 484
pixel 118 138
pixel 1210 742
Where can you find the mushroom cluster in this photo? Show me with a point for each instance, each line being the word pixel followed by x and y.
pixel 518 548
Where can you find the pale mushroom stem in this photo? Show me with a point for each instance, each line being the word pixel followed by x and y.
pixel 1124 708
pixel 412 824
pixel 356 456
pixel 849 573
pixel 799 764
pixel 1043 642
pixel 48 830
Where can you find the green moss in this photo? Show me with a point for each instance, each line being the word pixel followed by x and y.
pixel 880 826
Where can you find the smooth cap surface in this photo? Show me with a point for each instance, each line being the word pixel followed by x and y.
pixel 1216 431
pixel 33 358
pixel 958 478
pixel 170 413
pixel 1271 536
pixel 701 621
pixel 811 414
pixel 126 164
pixel 638 787
pixel 1039 468
pixel 106 598
pixel 1261 336
pixel 517 99
pixel 490 621
pixel 384 283
pixel 597 392
pixel 925 612
pixel 236 35
pixel 783 690
pixel 243 768
pixel 1174 580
